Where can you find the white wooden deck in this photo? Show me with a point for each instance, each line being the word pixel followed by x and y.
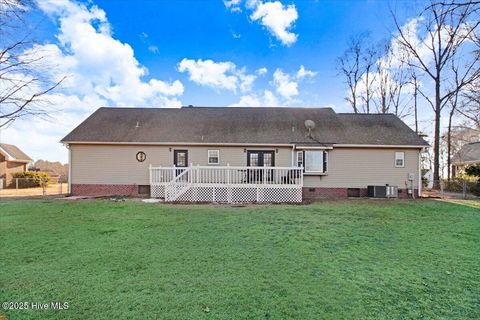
pixel 227 184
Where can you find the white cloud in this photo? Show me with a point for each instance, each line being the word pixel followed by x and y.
pixel 217 75
pixel 276 18
pixel 233 5
pixel 99 64
pixel 235 35
pixel 100 71
pixel 266 99
pixel 287 85
pixel 302 73
pixel 261 71
pixel 153 49
pixel 144 37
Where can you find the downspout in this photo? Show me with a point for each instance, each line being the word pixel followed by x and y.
pixel 419 173
pixel 69 169
pixel 293 156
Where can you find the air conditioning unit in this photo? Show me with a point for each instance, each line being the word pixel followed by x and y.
pixel 392 192
pixel 385 191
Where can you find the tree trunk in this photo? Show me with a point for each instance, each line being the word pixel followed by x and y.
pixel 436 143
pixel 449 145
pixel 415 105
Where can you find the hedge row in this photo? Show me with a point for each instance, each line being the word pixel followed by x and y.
pixel 30 179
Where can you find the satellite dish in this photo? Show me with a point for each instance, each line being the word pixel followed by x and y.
pixel 310 125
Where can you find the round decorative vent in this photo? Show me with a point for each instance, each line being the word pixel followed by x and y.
pixel 141 156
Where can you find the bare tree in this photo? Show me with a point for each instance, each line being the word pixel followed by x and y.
pixel 23 87
pixel 349 65
pixel 444 31
pixel 369 59
pixel 392 79
pixel 470 108
pixel 453 102
pixel 415 84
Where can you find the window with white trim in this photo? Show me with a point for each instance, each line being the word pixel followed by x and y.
pixel 299 158
pixel 316 161
pixel 399 159
pixel 213 156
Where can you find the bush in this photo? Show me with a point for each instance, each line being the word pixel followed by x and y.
pixel 476 188
pixel 30 179
pixel 473 171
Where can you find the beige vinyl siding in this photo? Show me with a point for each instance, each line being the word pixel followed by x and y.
pixel 347 167
pixel 116 164
pixel 360 167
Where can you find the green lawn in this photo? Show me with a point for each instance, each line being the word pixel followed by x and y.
pixel 330 260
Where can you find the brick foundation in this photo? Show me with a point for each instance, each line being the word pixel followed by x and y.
pixel 132 190
pixel 105 190
pixel 335 193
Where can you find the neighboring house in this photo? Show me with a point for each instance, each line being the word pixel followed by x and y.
pixel 469 154
pixel 12 160
pixel 221 154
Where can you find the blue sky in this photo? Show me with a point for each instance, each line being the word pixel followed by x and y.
pixel 204 53
pixel 206 29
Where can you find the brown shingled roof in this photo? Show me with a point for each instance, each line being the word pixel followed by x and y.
pixel 469 153
pixel 14 152
pixel 241 125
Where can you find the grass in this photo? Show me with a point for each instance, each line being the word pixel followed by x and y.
pixel 330 260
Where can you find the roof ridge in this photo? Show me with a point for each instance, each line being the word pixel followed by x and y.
pixel 366 114
pixel 219 107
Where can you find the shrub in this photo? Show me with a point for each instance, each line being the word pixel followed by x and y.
pixel 457 185
pixel 30 179
pixel 473 170
pixel 476 188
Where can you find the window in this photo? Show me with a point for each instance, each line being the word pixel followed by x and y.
pixel 299 158
pixel 314 161
pixel 213 156
pixel 399 159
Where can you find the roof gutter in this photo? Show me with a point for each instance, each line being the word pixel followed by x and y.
pixel 180 143
pixel 389 146
pixel 460 163
pixel 243 144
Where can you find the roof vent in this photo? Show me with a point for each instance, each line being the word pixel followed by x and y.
pixel 310 125
pixel 138 125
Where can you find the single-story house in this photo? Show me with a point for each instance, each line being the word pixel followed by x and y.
pixel 242 154
pixel 468 155
pixel 12 160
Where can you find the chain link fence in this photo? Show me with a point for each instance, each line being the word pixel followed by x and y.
pixel 29 187
pixel 459 188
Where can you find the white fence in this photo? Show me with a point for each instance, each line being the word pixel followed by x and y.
pixel 227 184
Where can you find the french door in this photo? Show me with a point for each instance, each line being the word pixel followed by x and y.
pixel 259 158
pixel 180 160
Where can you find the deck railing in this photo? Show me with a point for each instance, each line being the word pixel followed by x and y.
pixel 228 175
pixel 173 182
